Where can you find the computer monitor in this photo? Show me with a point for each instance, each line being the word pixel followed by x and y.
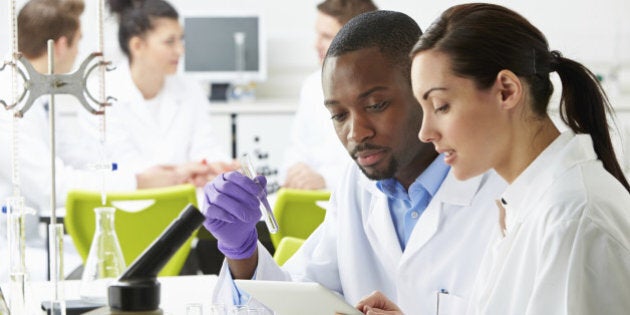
pixel 210 48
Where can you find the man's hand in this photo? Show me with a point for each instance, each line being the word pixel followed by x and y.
pixel 159 176
pixel 302 176
pixel 201 172
pixel 232 210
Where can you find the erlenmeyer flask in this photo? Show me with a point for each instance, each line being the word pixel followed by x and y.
pixel 105 261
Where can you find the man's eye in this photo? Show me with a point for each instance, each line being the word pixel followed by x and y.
pixel 378 106
pixel 338 117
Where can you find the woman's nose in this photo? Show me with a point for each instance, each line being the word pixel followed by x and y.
pixel 427 131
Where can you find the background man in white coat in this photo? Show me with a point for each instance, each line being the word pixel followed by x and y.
pixel 399 222
pixel 38 21
pixel 314 157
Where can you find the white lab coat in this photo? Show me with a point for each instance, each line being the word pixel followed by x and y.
pixel 34 157
pixel 356 250
pixel 314 141
pixel 172 128
pixel 35 171
pixel 567 243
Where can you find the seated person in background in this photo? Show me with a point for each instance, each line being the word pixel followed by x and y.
pixel 399 222
pixel 38 21
pixel 315 158
pixel 159 118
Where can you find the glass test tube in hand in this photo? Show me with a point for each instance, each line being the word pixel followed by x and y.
pixel 247 168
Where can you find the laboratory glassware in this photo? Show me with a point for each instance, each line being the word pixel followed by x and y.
pixel 105 260
pixel 240 90
pixel 15 212
pixel 247 168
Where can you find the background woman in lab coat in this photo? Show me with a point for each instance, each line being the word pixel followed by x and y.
pixel 160 118
pixel 481 75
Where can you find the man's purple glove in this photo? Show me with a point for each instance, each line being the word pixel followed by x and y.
pixel 232 211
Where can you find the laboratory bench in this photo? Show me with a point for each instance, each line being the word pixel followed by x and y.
pixel 177 293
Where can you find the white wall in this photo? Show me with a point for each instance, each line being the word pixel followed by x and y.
pixel 594 32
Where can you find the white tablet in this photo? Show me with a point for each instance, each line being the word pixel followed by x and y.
pixel 290 298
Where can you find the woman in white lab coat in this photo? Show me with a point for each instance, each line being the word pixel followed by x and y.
pixel 159 118
pixel 481 75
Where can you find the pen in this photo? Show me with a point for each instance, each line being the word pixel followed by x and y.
pixel 437 307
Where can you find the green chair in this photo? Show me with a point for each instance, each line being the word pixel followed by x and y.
pixel 287 247
pixel 140 217
pixel 297 213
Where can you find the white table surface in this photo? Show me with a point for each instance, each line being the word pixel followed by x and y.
pixel 176 293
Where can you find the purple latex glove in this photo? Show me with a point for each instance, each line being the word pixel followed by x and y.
pixel 232 211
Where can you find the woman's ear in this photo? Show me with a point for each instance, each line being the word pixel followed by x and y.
pixel 135 45
pixel 510 87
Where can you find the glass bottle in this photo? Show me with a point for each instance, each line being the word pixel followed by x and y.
pixel 240 90
pixel 105 260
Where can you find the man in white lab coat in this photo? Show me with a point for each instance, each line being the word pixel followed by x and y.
pixel 399 222
pixel 313 159
pixel 38 21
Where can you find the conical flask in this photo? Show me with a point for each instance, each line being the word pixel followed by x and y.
pixel 105 261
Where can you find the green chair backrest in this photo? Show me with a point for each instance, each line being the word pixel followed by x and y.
pixel 297 213
pixel 286 248
pixel 140 217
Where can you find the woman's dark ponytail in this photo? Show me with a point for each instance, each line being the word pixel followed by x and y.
pixel 119 6
pixel 583 107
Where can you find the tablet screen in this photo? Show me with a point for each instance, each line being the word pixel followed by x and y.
pixel 289 298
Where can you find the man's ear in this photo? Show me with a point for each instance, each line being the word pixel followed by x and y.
pixel 510 87
pixel 61 46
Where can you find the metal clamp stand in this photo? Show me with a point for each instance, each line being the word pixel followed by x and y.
pixel 36 85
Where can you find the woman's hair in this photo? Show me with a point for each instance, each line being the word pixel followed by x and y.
pixel 344 10
pixel 483 39
pixel 41 20
pixel 135 18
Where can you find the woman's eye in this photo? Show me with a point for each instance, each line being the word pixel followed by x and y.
pixel 442 109
pixel 171 41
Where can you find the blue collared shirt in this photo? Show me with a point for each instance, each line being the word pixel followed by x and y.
pixel 407 207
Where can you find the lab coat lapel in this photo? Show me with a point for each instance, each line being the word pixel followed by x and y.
pixel 380 229
pixel 131 99
pixel 170 107
pixel 452 195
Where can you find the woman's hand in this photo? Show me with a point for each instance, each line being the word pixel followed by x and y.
pixel 378 304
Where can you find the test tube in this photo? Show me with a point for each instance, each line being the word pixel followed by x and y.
pixel 247 168
pixel 103 167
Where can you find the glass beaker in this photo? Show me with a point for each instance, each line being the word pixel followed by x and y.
pixel 105 261
pixel 16 240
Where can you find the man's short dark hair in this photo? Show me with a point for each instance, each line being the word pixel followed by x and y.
pixel 394 33
pixel 41 20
